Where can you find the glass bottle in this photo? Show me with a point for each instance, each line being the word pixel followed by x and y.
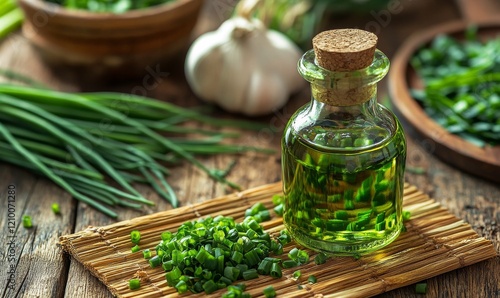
pixel 343 154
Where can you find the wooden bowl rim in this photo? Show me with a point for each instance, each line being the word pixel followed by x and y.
pixel 54 9
pixel 413 112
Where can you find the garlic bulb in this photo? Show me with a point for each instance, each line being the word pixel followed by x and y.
pixel 244 67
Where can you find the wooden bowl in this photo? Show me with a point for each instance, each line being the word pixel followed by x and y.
pixel 483 162
pixel 105 43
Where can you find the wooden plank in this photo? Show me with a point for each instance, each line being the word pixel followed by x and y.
pixel 35 258
pixel 40 267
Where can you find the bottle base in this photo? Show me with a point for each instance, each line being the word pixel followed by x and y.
pixel 347 248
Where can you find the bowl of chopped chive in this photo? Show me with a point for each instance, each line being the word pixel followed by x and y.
pixel 119 38
pixel 444 85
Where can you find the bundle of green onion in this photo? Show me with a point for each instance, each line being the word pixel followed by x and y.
pixel 79 140
pixel 11 16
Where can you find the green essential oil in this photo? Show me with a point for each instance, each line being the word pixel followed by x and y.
pixel 343 187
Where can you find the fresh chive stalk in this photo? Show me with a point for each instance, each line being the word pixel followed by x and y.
pixel 78 150
pixel 10 18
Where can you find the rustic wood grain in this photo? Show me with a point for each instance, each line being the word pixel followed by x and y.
pixel 41 268
pixel 44 272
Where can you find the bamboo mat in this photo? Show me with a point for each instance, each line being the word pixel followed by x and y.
pixel 435 242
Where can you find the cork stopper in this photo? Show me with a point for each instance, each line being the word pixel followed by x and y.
pixel 345 49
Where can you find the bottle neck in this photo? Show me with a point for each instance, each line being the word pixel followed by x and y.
pixel 343 89
pixel 326 107
pixel 350 92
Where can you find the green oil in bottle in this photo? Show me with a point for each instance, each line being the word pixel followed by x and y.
pixel 343 154
pixel 346 199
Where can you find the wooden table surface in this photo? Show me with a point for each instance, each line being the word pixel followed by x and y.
pixel 42 270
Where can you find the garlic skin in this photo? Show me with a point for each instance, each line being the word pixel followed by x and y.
pixel 244 67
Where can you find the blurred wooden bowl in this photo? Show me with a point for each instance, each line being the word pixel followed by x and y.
pixel 483 162
pixel 109 44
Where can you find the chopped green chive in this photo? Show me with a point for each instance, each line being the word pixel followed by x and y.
pixel 276 248
pixel 254 225
pixel 135 248
pixel 154 261
pixel 293 254
pixel 406 215
pixel 416 170
pixel 211 253
pixel 181 287
pixel 210 286
pixel 255 209
pixel 278 209
pixel 276 271
pixel 289 264
pixel 284 238
pixel 166 236
pixel 56 209
pixel 380 226
pixel 237 257
pixel 250 274
pixel 264 267
pixel 269 292
pixel 297 274
pixel 134 284
pixel 135 236
pixel 299 256
pixel 320 258
pixel 341 214
pixel 421 288
pixel 173 276
pixel 303 257
pixel 232 273
pixel 380 217
pixel 312 279
pixel 236 292
pixel 27 221
pixel 146 253
pixel 349 205
pixel 262 216
pixel 278 199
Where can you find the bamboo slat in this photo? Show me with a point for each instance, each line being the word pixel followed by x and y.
pixel 435 242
